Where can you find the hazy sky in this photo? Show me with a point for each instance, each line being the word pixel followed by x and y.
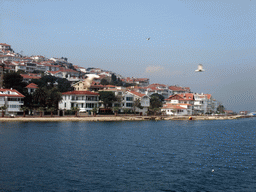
pixel 111 34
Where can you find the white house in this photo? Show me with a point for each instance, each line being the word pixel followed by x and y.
pixel 185 101
pixel 131 96
pixel 12 99
pixel 170 109
pixel 31 88
pixel 202 103
pixel 4 46
pixel 84 100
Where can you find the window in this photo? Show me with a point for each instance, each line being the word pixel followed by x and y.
pixel 90 105
pixel 129 98
pixel 129 104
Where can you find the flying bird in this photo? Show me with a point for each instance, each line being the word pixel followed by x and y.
pixel 88 80
pixel 148 38
pixel 199 68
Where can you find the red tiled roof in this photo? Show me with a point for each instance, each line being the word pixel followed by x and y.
pixel 187 96
pixel 25 76
pixel 208 96
pixel 4 44
pixel 175 97
pixel 154 85
pixel 9 95
pixel 80 93
pixel 32 85
pixel 175 88
pixel 136 93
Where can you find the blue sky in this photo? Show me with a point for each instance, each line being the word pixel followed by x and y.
pixel 111 34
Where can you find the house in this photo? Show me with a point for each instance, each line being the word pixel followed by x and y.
pixel 28 77
pixel 177 90
pixel 131 96
pixel 126 100
pixel 142 82
pixel 84 100
pixel 4 46
pixel 171 109
pixel 160 89
pixel 69 74
pixel 31 88
pixel 12 99
pixel 185 100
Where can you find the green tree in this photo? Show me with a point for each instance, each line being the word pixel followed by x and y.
pixel 136 104
pixel 24 109
pixel 126 110
pixel 40 97
pixel 3 108
pixel 155 104
pixel 161 97
pixel 53 98
pixel 41 110
pixel 49 81
pixel 75 109
pixel 116 109
pixel 107 97
pixel 221 109
pixel 15 81
pixel 94 111
pixel 104 82
pixel 51 109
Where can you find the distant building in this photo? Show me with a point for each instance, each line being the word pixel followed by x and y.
pixel 4 46
pixel 31 88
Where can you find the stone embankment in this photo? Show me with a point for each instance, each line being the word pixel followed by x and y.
pixel 115 118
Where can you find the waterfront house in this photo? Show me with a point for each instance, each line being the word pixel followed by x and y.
pixel 84 100
pixel 175 109
pixel 185 100
pixel 131 96
pixel 12 99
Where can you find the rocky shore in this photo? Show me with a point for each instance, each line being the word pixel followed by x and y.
pixel 115 118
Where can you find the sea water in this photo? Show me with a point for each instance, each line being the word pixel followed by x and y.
pixel 205 155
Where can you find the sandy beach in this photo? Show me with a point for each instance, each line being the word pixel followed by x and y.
pixel 114 118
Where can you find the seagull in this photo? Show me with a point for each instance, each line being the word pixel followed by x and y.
pixel 212 170
pixel 199 68
pixel 148 38
pixel 88 80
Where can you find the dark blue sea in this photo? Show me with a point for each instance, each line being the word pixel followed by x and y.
pixel 128 156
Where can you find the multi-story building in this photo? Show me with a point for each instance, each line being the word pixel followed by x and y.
pixel 204 103
pixel 12 99
pixel 179 104
pixel 4 46
pixel 84 100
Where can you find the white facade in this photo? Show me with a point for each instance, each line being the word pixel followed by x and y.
pixel 84 100
pixel 177 110
pixel 12 99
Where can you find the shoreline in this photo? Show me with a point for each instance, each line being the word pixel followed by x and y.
pixel 115 118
